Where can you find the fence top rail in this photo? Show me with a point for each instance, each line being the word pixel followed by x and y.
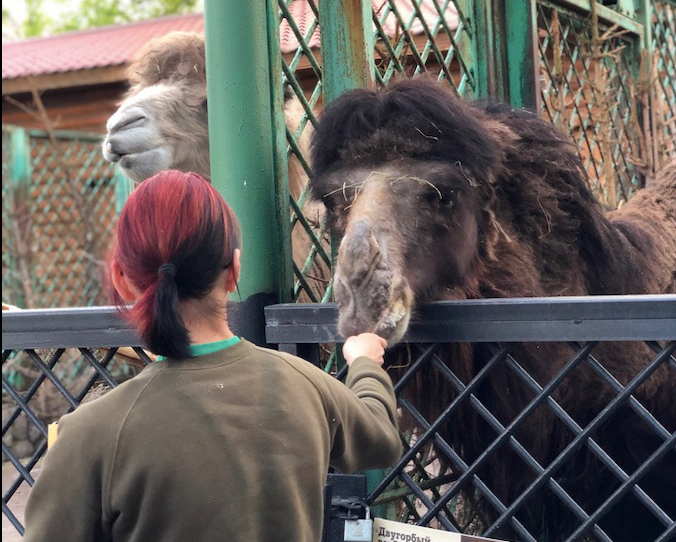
pixel 584 318
pixel 647 317
pixel 60 134
pixel 605 14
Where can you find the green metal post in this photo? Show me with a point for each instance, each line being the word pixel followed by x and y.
pixel 523 69
pixel 506 51
pixel 347 52
pixel 242 139
pixel 489 50
pixel 347 63
pixel 644 16
pixel 20 172
pixel 123 187
pixel 346 46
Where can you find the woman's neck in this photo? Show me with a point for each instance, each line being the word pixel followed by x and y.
pixel 205 326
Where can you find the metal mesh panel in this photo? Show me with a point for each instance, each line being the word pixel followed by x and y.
pixel 663 106
pixel 63 216
pixel 410 37
pixel 589 90
pixel 53 382
pixel 417 37
pixel 558 437
pixel 455 485
pixel 302 73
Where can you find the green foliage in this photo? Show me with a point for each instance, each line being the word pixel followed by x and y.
pixel 37 21
pixel 46 18
pixel 94 13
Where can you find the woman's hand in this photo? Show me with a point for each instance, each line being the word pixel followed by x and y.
pixel 366 344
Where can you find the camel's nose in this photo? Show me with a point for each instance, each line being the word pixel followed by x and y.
pixel 359 253
pixel 126 120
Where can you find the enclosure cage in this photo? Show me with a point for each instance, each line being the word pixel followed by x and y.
pixel 603 72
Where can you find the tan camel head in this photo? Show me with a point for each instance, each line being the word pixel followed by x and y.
pixel 162 123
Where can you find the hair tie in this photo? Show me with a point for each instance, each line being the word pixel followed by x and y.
pixel 168 269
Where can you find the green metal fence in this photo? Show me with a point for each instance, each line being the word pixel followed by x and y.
pixel 605 74
pixel 59 203
pixel 663 99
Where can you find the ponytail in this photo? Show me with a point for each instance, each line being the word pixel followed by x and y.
pixel 167 335
pixel 178 218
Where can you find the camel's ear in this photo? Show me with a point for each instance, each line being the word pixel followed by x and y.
pixel 126 290
pixel 233 272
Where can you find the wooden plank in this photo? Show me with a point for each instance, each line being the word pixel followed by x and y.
pixel 94 76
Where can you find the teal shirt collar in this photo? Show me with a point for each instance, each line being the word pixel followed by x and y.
pixel 208 348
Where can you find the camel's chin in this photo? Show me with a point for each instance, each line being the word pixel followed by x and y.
pixel 142 165
pixel 393 328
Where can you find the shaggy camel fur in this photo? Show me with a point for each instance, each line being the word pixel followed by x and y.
pixel 436 198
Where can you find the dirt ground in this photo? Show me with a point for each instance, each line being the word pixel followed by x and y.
pixel 17 504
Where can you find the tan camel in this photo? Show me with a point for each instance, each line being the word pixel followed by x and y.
pixel 162 124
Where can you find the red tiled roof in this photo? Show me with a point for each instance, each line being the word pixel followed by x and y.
pixel 117 45
pixel 97 48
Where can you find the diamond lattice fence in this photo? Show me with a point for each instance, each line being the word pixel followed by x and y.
pixel 590 90
pixel 53 382
pixel 519 468
pixel 57 221
pixel 663 99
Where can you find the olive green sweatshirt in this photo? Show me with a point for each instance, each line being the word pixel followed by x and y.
pixel 229 446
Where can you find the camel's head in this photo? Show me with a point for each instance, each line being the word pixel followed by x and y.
pixel 404 174
pixel 160 127
pixel 162 123
pixel 409 232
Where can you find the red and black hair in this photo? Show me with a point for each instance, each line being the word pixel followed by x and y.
pixel 175 236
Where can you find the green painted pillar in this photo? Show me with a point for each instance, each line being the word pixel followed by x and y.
pixel 346 46
pixel 523 69
pixel 506 51
pixel 18 208
pixel 489 49
pixel 347 63
pixel 243 135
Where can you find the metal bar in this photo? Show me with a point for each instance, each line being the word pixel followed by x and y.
pixel 649 317
pixel 20 173
pixel 489 49
pixel 64 328
pixel 242 137
pixel 507 320
pixel 606 15
pixel 522 66
pixel 347 52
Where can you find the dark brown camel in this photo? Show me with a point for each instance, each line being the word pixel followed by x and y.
pixel 435 199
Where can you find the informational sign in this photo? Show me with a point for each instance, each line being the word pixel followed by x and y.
pixel 391 531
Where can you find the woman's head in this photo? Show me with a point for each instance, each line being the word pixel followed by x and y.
pixel 175 238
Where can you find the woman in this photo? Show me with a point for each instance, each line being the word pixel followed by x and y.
pixel 219 439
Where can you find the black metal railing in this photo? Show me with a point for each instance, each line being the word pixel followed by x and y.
pixel 518 415
pixel 494 443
